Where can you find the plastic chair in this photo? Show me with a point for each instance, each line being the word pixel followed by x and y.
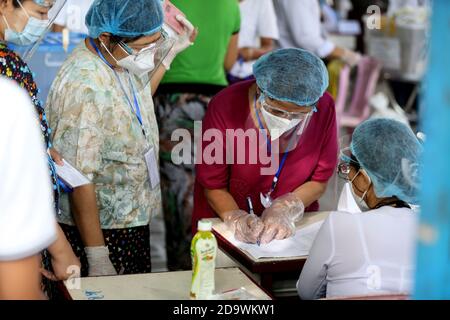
pixel 368 72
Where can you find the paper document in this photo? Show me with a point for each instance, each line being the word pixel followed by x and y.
pixel 71 176
pixel 296 246
pixel 349 27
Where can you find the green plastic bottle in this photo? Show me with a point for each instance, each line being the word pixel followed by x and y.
pixel 203 254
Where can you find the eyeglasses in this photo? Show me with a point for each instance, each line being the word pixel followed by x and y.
pixel 287 114
pixel 152 47
pixel 343 171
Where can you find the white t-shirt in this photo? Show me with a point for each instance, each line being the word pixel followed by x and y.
pixel 258 20
pixel 27 221
pixel 300 26
pixel 73 15
pixel 358 254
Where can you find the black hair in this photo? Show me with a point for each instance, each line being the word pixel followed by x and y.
pixel 355 162
pixel 16 4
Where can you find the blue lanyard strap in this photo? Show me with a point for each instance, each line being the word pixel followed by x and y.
pixel 269 147
pixel 136 109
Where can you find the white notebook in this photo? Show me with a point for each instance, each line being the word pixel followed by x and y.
pixel 296 246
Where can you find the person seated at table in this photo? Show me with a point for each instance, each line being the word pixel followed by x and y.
pixel 371 252
pixel 294 156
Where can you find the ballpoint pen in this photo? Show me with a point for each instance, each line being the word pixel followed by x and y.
pixel 250 209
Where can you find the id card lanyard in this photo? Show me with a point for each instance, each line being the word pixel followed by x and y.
pixel 266 199
pixel 136 109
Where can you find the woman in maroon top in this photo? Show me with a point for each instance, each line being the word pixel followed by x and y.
pixel 268 148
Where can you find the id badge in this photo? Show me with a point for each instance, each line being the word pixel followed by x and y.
pixel 152 167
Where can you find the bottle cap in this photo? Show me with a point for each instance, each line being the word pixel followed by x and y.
pixel 204 225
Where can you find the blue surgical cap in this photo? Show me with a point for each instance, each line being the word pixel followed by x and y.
pixel 124 18
pixel 389 152
pixel 292 75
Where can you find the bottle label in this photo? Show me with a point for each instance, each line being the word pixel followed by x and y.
pixel 204 255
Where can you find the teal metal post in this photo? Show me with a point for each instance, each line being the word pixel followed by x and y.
pixel 433 259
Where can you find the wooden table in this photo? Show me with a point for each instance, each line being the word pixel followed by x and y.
pixel 266 268
pixel 158 286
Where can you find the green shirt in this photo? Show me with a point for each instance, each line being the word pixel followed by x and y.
pixel 217 21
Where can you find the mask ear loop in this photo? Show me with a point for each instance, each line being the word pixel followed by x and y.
pixel 367 190
pixel 21 6
pixel 24 10
pixel 6 22
pixel 109 52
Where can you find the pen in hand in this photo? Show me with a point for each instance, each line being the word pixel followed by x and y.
pixel 251 211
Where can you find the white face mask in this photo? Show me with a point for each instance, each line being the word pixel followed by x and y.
pixel 138 65
pixel 347 201
pixel 277 125
pixel 360 202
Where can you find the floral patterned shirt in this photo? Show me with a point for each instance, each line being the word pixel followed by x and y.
pixel 96 130
pixel 13 67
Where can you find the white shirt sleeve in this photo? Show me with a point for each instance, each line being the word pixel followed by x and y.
pixel 305 28
pixel 267 21
pixel 312 283
pixel 27 222
pixel 61 18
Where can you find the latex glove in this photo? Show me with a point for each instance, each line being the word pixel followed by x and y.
pixel 279 220
pixel 246 227
pixel 99 262
pixel 351 58
pixel 182 41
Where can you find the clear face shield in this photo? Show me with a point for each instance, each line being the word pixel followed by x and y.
pixel 286 128
pixel 25 37
pixel 142 64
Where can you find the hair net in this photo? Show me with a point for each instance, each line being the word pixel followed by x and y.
pixel 389 152
pixel 124 18
pixel 292 75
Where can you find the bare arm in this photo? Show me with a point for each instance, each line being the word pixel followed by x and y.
pixel 337 53
pixel 21 279
pixel 86 215
pixel 249 54
pixel 57 28
pixel 232 52
pixel 221 201
pixel 63 258
pixel 310 192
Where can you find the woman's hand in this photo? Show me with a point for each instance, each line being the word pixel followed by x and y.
pixel 246 227
pixel 182 41
pixel 246 53
pixel 279 220
pixel 65 264
pixel 56 156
